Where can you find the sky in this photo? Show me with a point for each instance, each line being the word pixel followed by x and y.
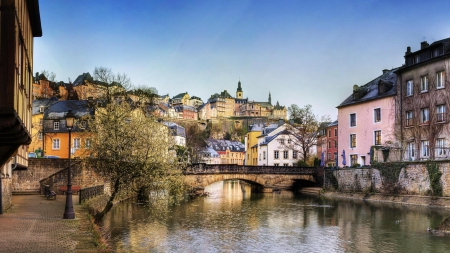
pixel 302 52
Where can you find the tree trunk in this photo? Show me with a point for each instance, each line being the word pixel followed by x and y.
pixel 99 216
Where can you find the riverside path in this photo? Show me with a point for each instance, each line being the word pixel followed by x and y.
pixel 35 224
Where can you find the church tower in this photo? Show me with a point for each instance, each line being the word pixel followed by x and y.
pixel 270 98
pixel 239 93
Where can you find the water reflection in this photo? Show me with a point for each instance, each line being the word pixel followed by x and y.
pixel 232 219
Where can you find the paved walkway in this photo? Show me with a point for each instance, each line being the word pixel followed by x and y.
pixel 35 224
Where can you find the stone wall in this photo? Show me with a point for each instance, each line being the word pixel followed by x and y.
pixel 53 172
pixel 6 193
pixel 38 169
pixel 413 179
pixel 80 176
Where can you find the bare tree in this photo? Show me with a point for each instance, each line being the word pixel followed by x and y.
pixel 303 132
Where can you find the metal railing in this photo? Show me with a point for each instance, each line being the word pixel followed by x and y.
pixel 231 168
pixel 416 154
pixel 87 193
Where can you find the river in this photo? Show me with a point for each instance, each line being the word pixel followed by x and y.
pixel 232 219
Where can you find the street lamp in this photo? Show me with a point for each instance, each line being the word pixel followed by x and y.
pixel 69 213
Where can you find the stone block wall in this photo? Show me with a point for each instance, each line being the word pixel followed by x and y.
pixel 6 193
pixel 413 179
pixel 38 169
pixel 80 176
pixel 42 171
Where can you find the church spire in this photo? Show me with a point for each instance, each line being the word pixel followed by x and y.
pixel 270 98
pixel 239 92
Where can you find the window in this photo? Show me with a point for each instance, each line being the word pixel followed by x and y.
pixel 440 147
pixel 294 154
pixel 425 152
pixel 424 116
pixel 83 124
pixel 329 133
pixel 285 154
pixel 353 119
pixel 329 155
pixel 285 164
pixel 423 83
pixel 410 150
pixel 335 143
pixel 377 115
pixel 329 144
pixel 353 140
pixel 40 136
pixel 353 159
pixel 409 118
pixel 41 121
pixel 335 132
pixel 289 141
pixel 409 88
pixel 55 143
pixel 440 113
pixel 416 59
pixel 434 53
pixel 260 157
pixel 56 125
pixel 76 143
pixel 264 155
pixel 377 137
pixel 275 154
pixel 282 141
pixel 335 155
pixel 41 108
pixel 440 80
pixel 276 164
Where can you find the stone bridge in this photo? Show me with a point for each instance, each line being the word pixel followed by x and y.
pixel 262 178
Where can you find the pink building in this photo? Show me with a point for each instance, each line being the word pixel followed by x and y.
pixel 367 118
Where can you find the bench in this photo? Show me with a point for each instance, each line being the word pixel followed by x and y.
pixel 49 193
pixel 75 189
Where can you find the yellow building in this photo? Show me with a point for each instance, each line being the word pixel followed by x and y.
pixel 251 145
pixel 181 99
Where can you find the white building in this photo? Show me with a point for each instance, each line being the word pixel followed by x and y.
pixel 276 147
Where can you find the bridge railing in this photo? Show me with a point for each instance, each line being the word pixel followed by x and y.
pixel 239 169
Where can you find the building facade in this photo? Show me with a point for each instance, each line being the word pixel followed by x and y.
pixel 367 118
pixel 424 98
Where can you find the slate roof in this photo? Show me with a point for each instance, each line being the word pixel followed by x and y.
pixel 223 145
pixel 58 110
pixel 181 95
pixel 83 77
pixel 42 102
pixel 372 89
pixel 177 130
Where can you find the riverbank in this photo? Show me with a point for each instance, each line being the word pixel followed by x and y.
pixel 435 202
pixel 411 200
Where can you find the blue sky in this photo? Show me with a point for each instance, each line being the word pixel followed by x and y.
pixel 303 52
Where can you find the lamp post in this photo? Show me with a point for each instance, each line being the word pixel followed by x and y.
pixel 69 213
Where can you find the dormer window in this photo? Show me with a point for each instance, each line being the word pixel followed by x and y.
pixel 83 124
pixel 416 59
pixel 41 108
pixel 56 125
pixel 435 53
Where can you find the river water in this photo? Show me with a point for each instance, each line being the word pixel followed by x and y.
pixel 232 219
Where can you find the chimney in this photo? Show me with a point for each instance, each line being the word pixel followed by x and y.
pixel 424 45
pixel 408 50
pixel 385 71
